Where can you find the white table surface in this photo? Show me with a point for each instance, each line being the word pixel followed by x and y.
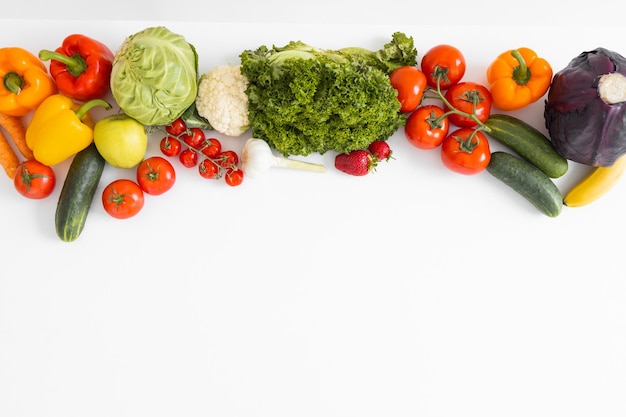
pixel 413 291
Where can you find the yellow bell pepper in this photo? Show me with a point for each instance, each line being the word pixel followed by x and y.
pixel 25 81
pixel 60 128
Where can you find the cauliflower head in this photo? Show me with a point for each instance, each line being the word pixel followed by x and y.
pixel 222 99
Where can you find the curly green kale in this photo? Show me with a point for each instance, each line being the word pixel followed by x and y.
pixel 304 99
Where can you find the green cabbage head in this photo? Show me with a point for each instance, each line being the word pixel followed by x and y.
pixel 155 76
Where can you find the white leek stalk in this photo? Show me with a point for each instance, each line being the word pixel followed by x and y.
pixel 257 157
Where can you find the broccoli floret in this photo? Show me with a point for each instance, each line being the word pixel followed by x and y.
pixel 303 99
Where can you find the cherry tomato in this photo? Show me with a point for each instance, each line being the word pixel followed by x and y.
pixel 177 127
pixel 155 175
pixel 466 151
pixel 469 97
pixel 410 82
pixel 170 146
pixel 233 177
pixel 34 179
pixel 425 129
pixel 227 159
pixel 443 62
pixel 209 169
pixel 194 137
pixel 122 198
pixel 212 147
pixel 189 158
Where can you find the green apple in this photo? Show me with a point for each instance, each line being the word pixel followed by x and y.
pixel 121 140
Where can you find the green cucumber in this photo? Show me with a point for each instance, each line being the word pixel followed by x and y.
pixel 77 193
pixel 528 180
pixel 528 142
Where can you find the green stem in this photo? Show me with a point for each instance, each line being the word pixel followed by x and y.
pixel 13 82
pixel 521 73
pixel 90 105
pixel 74 64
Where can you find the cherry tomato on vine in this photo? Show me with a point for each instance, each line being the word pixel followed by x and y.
pixel 212 147
pixel 410 83
pixel 189 158
pixel 233 177
pixel 194 137
pixel 177 127
pixel 209 169
pixel 155 175
pixel 444 62
pixel 34 180
pixel 425 129
pixel 469 97
pixel 122 198
pixel 227 159
pixel 170 146
pixel 466 151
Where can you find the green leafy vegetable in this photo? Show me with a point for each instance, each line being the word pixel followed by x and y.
pixel 304 99
pixel 155 76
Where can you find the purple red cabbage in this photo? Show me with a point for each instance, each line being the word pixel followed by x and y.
pixel 583 127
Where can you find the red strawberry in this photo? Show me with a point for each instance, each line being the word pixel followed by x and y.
pixel 380 149
pixel 358 162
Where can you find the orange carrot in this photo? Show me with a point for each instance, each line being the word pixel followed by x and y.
pixel 8 158
pixel 15 128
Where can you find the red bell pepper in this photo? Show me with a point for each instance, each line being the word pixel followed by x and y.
pixel 81 67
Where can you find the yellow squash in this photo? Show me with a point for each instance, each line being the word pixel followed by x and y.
pixel 597 183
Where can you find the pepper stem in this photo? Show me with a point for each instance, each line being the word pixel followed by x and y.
pixel 13 82
pixel 74 64
pixel 521 73
pixel 82 110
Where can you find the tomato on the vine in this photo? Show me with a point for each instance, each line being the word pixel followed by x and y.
pixel 425 128
pixel 34 179
pixel 410 83
pixel 155 175
pixel 233 177
pixel 227 159
pixel 209 169
pixel 466 151
pixel 443 62
pixel 189 158
pixel 194 137
pixel 122 198
pixel 170 146
pixel 212 147
pixel 177 127
pixel 469 98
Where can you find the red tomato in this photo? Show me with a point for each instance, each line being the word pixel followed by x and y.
pixel 177 127
pixel 466 151
pixel 155 175
pixel 227 159
pixel 469 98
pixel 189 158
pixel 425 129
pixel 194 137
pixel 209 169
pixel 170 146
pixel 410 82
pixel 122 198
pixel 444 63
pixel 212 147
pixel 34 179
pixel 233 177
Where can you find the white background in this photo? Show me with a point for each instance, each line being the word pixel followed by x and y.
pixel 412 291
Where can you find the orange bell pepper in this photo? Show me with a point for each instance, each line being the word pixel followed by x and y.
pixel 518 78
pixel 25 81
